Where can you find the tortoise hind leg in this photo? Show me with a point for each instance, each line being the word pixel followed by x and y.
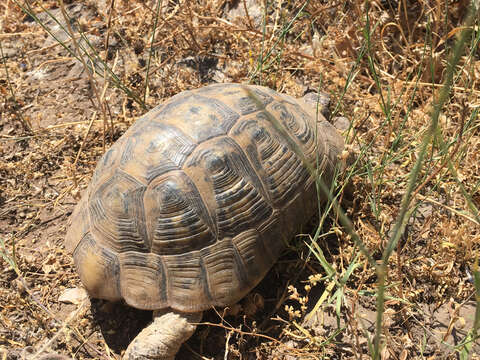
pixel 163 337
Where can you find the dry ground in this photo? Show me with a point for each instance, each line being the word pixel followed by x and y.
pixel 383 65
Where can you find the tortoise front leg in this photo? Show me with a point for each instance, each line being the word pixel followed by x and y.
pixel 164 336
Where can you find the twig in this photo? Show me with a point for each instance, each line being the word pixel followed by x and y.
pixel 105 72
pixel 74 165
pixel 19 34
pixel 227 340
pixel 65 326
pixel 47 311
pixel 26 124
pixel 247 15
pixel 100 103
pixel 446 159
pixel 152 41
pixel 242 332
pixel 53 61
pixel 455 211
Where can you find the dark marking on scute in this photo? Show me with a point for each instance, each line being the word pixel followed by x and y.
pixel 251 151
pixel 239 129
pixel 247 105
pixel 98 268
pixel 204 279
pixel 239 193
pixel 280 168
pixel 177 219
pixel 297 126
pixel 214 164
pixel 175 152
pixel 199 117
pixel 106 162
pixel 106 157
pixel 127 150
pixel 185 282
pixel 241 270
pixel 250 256
pixel 300 113
pixel 158 148
pixel 112 258
pixel 219 265
pixel 117 213
pixel 228 117
pixel 143 280
pixel 264 97
pixel 88 242
pixel 186 279
pixel 154 172
pixel 195 110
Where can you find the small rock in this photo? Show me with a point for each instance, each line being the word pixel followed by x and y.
pixel 28 353
pixel 341 123
pixel 254 10
pixel 73 296
pixel 10 52
pixel 18 284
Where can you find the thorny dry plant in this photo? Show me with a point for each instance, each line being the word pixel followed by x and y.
pixel 383 63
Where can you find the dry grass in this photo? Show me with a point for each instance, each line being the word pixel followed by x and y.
pixel 415 186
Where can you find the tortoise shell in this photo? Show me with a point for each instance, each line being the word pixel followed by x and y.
pixel 191 207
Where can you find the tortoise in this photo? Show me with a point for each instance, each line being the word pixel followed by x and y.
pixel 191 207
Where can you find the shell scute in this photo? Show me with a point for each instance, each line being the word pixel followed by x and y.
pixel 178 220
pixel 108 161
pixel 185 282
pixel 280 167
pixel 240 200
pixel 98 268
pixel 117 214
pixel 79 225
pixel 219 264
pixel 142 280
pixel 200 117
pixel 155 149
pixel 248 245
pixel 242 99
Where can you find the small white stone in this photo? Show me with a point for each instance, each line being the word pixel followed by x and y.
pixel 73 296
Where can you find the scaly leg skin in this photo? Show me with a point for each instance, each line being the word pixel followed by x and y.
pixel 163 337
